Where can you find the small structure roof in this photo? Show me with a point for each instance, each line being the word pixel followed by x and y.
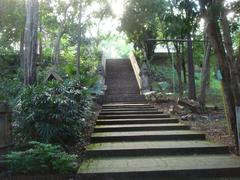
pixel 52 75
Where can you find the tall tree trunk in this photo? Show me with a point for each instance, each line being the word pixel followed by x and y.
pixel 178 67
pixel 169 52
pixel 191 74
pixel 40 39
pixel 98 28
pixel 213 31
pixel 79 38
pixel 56 47
pixel 238 63
pixel 30 42
pixel 230 57
pixel 172 61
pixel 60 33
pixel 205 73
pixel 183 64
pixel 21 55
pixel 78 56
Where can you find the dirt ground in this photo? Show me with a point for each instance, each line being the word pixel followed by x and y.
pixel 213 123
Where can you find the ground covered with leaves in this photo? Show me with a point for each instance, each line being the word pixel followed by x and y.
pixel 213 122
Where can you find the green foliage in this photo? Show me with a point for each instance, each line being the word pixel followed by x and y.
pixel 214 90
pixel 90 58
pixel 11 24
pixel 54 112
pixel 162 73
pixel 198 55
pixel 40 159
pixel 9 89
pixel 166 74
pixel 10 77
pixel 118 43
pixel 177 24
pixel 141 22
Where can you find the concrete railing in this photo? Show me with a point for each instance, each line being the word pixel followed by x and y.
pixel 102 78
pixel 104 61
pixel 136 70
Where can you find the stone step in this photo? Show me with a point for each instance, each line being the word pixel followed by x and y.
pixel 129 109
pixel 119 98
pixel 133 116
pixel 121 87
pixel 117 86
pixel 121 82
pixel 137 121
pixel 129 112
pixel 151 148
pixel 133 141
pixel 160 167
pixel 124 105
pixel 146 136
pixel 118 77
pixel 140 127
pixel 122 92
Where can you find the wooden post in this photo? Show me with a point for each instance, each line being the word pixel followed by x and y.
pixel 5 124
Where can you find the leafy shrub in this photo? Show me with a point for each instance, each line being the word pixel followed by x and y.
pixel 10 77
pixel 53 112
pixel 9 89
pixel 41 158
pixel 90 59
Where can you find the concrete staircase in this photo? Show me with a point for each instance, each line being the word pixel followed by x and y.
pixel 121 82
pixel 138 142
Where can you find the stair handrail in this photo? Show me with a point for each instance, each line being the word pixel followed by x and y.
pixel 136 69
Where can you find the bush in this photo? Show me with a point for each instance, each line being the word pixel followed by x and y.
pixel 41 158
pixel 10 77
pixel 9 89
pixel 53 112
